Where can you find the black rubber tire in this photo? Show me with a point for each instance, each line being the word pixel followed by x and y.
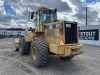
pixel 42 53
pixel 66 58
pixel 23 47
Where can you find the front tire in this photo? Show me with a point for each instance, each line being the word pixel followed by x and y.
pixel 39 53
pixel 23 47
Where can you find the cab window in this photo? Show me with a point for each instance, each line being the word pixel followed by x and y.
pixel 39 15
pixel 49 16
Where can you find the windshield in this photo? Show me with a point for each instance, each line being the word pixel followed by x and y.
pixel 49 16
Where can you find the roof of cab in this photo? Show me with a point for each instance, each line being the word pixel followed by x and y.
pixel 44 8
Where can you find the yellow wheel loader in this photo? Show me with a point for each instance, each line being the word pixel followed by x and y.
pixel 50 36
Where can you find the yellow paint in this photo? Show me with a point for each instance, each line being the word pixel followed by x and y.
pixel 17 43
pixel 66 50
pixel 29 37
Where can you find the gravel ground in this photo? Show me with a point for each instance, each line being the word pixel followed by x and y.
pixel 12 63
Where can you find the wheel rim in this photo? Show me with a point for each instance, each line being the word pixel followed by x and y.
pixel 34 53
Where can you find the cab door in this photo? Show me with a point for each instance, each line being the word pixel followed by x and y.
pixel 39 20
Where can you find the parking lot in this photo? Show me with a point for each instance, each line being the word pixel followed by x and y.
pixel 12 63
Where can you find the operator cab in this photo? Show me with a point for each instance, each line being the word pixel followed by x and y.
pixel 44 15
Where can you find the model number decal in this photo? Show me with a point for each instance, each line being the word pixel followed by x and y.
pixel 54 26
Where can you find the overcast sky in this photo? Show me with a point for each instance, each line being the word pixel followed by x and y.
pixel 16 12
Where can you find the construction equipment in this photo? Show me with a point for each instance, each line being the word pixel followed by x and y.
pixel 50 36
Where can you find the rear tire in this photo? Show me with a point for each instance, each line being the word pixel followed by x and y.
pixel 66 58
pixel 39 53
pixel 23 47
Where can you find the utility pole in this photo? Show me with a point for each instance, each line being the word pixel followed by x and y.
pixel 5 27
pixel 5 22
pixel 86 15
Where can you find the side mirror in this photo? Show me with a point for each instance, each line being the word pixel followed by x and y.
pixel 32 15
pixel 55 10
pixel 32 29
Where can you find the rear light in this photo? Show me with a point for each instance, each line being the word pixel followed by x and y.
pixel 78 31
pixel 61 29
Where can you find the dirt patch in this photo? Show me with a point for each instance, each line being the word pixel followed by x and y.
pixel 10 54
pixel 17 64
